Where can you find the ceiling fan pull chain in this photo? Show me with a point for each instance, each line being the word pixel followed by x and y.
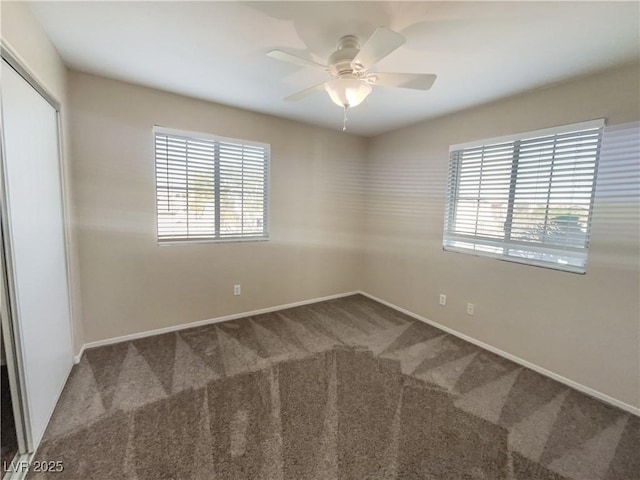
pixel 344 122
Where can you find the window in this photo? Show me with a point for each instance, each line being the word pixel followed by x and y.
pixel 210 188
pixel 526 198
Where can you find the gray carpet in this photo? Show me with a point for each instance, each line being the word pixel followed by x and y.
pixel 343 389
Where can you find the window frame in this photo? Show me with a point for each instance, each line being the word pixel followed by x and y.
pixel 157 129
pixel 452 198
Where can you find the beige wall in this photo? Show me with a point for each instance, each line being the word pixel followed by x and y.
pixel 25 39
pixel 583 327
pixel 130 284
pixel 22 32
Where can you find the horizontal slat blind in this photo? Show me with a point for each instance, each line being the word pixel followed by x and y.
pixel 527 199
pixel 616 211
pixel 210 188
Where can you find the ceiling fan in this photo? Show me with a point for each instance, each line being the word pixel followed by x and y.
pixel 349 66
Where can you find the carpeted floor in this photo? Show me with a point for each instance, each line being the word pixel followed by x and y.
pixel 344 389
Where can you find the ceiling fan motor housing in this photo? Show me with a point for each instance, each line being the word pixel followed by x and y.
pixel 346 50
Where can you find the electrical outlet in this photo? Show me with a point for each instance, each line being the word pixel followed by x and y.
pixel 470 308
pixel 236 289
pixel 443 299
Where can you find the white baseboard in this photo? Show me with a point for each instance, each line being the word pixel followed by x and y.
pixel 200 323
pixel 543 371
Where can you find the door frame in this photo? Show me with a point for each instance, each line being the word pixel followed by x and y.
pixel 8 310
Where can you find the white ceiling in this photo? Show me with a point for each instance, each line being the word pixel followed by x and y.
pixel 481 51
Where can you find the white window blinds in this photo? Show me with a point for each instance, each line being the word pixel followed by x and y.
pixel 526 198
pixel 210 188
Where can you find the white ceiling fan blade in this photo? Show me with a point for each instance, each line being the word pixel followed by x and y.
pixel 296 60
pixel 416 81
pixel 380 44
pixel 304 93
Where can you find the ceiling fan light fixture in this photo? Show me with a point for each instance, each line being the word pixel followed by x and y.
pixel 347 92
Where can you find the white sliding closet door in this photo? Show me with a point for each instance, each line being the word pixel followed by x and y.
pixel 36 241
